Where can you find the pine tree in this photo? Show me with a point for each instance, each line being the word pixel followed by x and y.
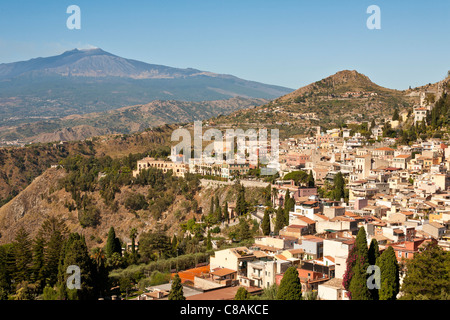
pixel 290 286
pixel 38 264
pixel 22 255
pixel 76 254
pixel 265 224
pixel 427 274
pixel 389 268
pixel 176 290
pixel 54 232
pixel 242 294
pixel 7 267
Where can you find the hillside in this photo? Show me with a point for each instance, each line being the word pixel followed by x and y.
pixel 338 99
pixel 20 165
pixel 123 120
pixel 46 197
pixel 86 81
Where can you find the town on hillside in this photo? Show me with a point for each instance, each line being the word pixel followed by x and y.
pixel 399 194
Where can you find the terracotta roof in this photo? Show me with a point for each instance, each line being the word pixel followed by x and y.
pixel 403 156
pixel 222 272
pixel 306 220
pixel 321 216
pixel 330 258
pixel 436 225
pixel 296 251
pixel 260 254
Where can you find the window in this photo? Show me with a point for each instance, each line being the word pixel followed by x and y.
pixel 399 254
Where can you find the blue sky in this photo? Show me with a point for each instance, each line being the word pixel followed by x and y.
pixel 287 42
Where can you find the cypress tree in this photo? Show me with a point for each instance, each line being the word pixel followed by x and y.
pixel 133 235
pixel 373 255
pixel 225 211
pixel 290 286
pixel 361 245
pixel 350 262
pixel 395 116
pixel 241 205
pixel 358 285
pixel 211 206
pixel 339 187
pixel 374 252
pixel 176 290
pixel 174 242
pixel 265 224
pixel 112 244
pixel 289 204
pixel 217 209
pixel 390 281
pixel 355 278
pixel 244 230
pixel 279 220
pixel 310 180
pixel 208 242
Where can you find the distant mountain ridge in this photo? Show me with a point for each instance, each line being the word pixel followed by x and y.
pixel 93 80
pixel 124 120
pixel 92 63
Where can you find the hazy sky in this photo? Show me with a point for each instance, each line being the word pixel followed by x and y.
pixel 288 43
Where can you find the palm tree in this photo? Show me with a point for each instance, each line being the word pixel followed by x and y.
pixel 98 255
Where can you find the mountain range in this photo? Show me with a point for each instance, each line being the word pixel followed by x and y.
pixel 124 120
pixel 93 80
